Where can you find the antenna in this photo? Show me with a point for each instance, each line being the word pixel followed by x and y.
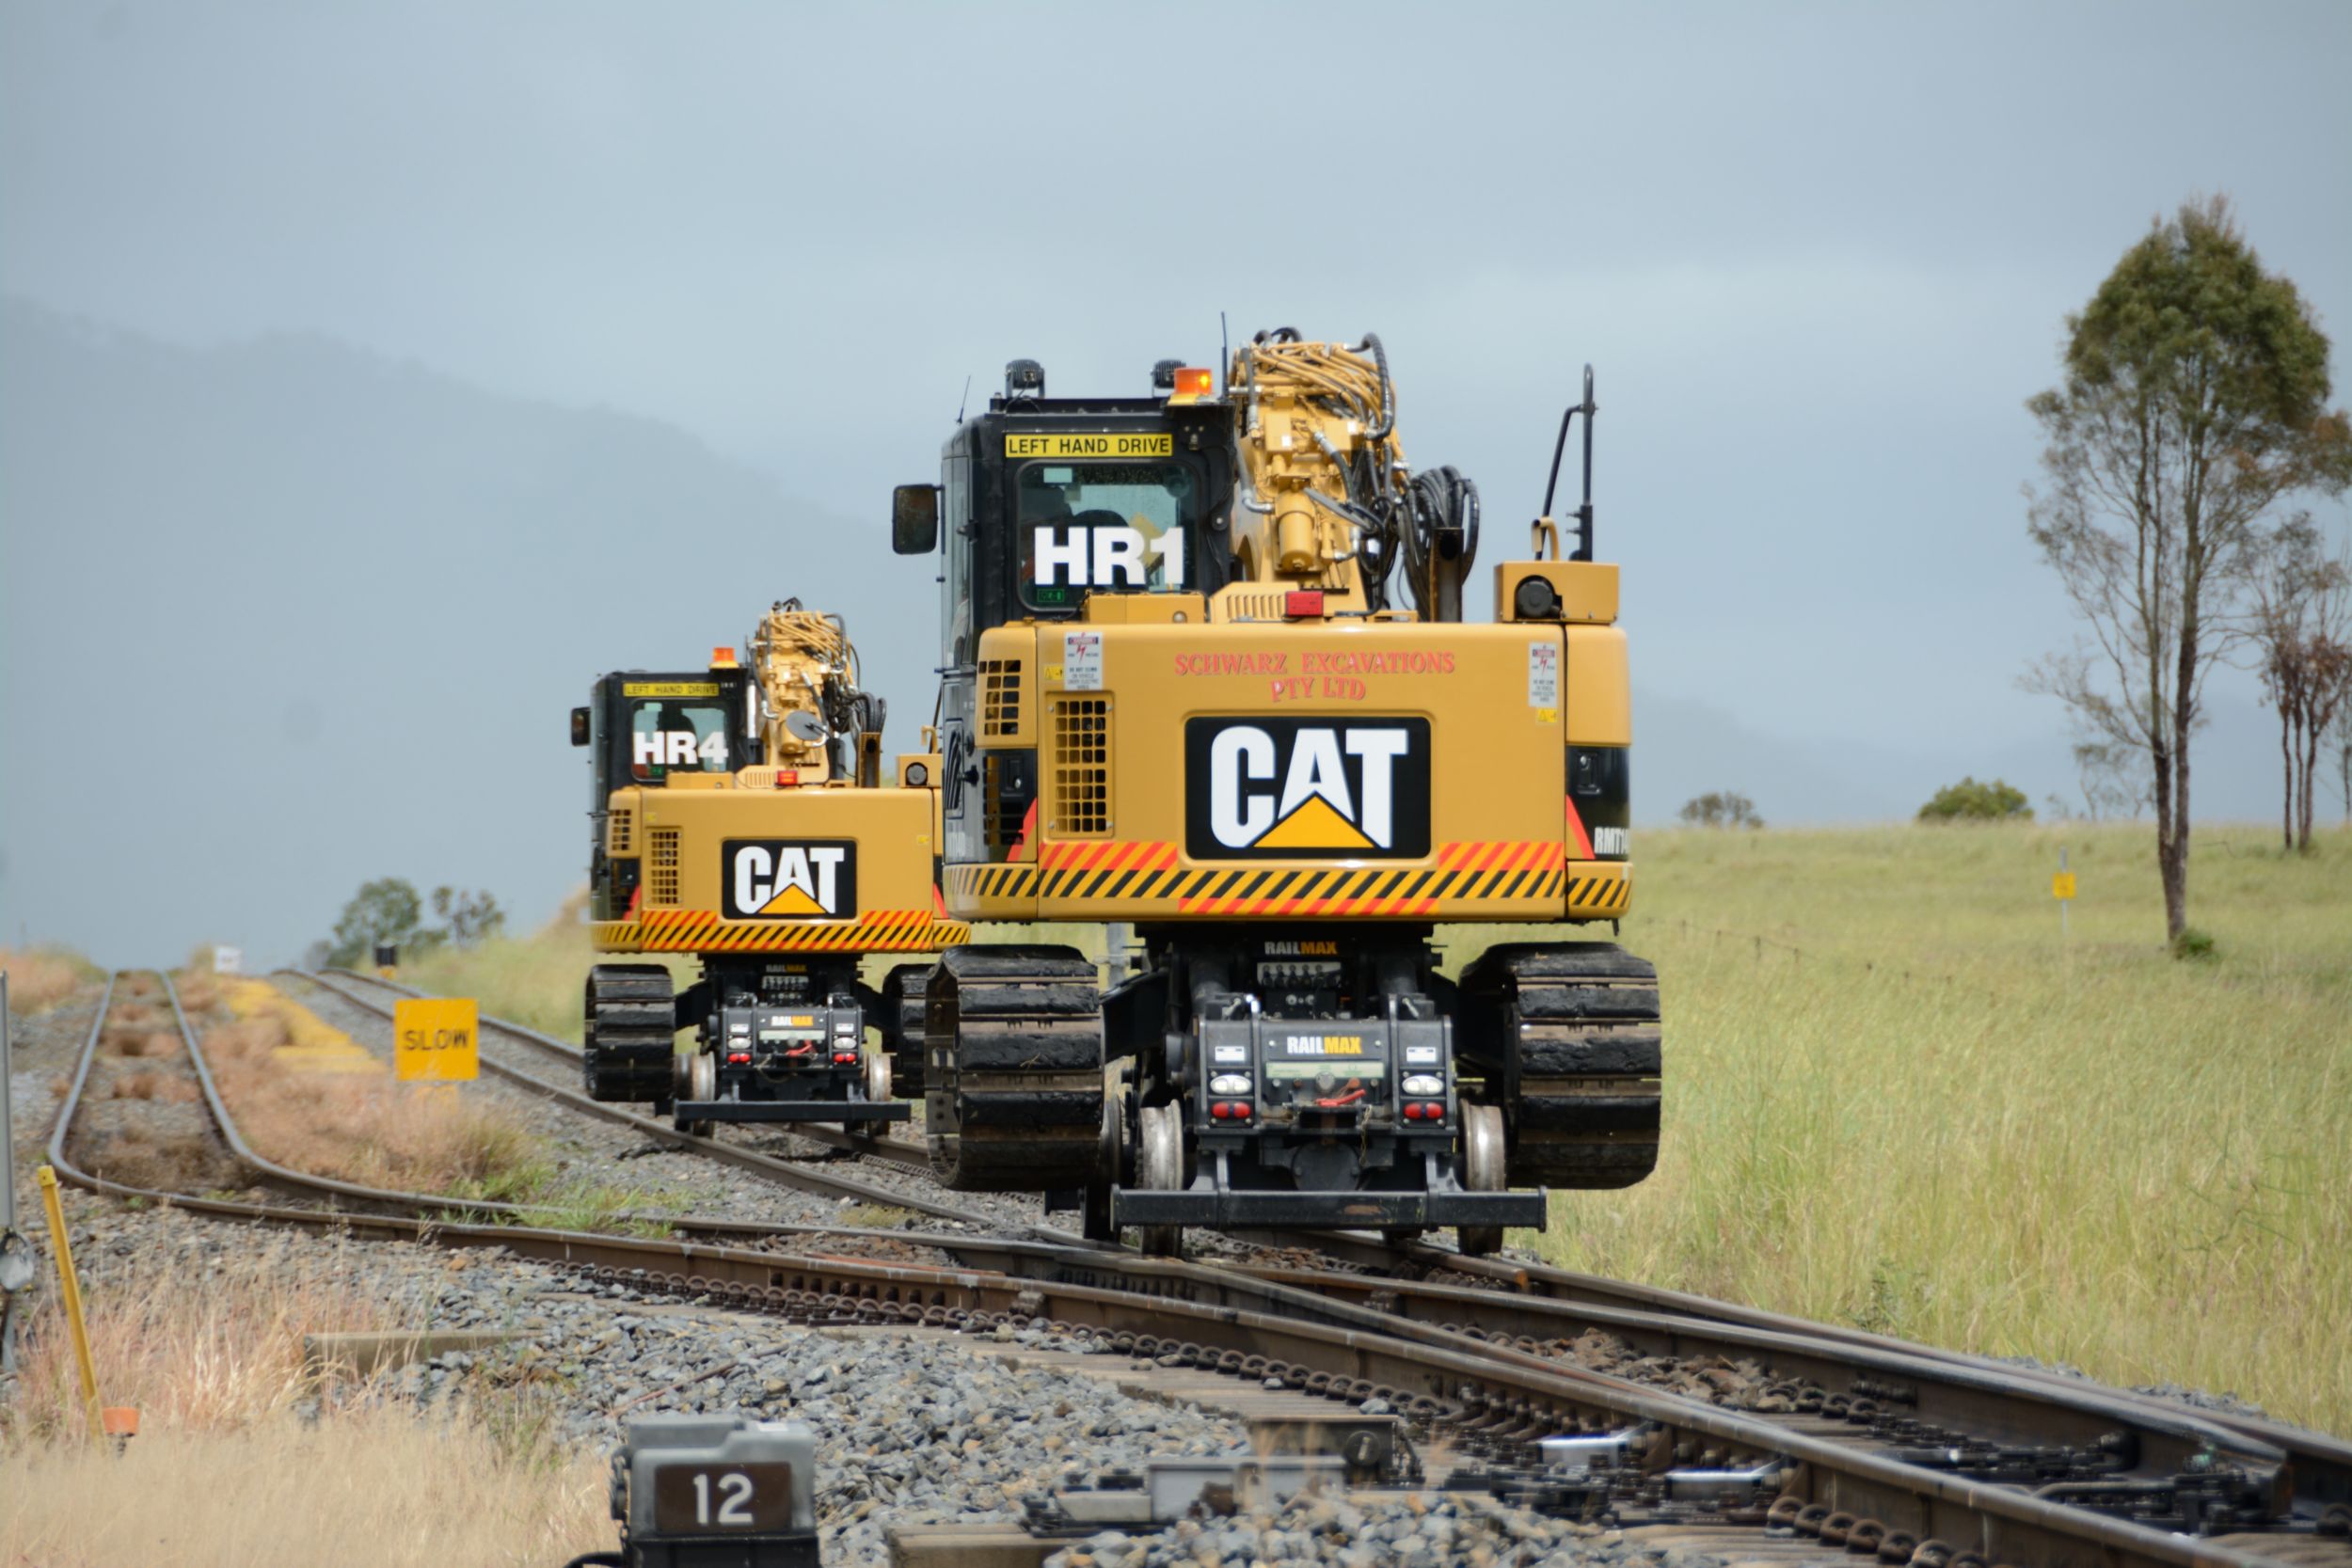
pixel 965 400
pixel 1224 351
pixel 1583 513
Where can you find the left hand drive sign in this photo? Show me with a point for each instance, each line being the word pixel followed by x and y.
pixel 435 1038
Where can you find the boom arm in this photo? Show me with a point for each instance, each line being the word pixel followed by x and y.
pixel 1327 499
pixel 813 716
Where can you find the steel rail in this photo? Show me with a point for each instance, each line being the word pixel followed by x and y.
pixel 2321 1464
pixel 1345 1345
pixel 786 1173
pixel 335 1192
pixel 895 1150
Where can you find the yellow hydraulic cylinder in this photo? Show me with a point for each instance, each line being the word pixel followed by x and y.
pixel 70 1286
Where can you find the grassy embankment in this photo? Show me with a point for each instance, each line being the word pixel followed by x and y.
pixel 307 1097
pixel 229 1470
pixel 40 978
pixel 1893 1100
pixel 235 1434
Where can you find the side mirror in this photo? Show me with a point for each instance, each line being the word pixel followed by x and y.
pixel 580 726
pixel 914 519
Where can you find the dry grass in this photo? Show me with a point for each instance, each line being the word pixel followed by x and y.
pixel 40 978
pixel 359 1126
pixel 192 1347
pixel 1893 1099
pixel 378 1489
pixel 227 1470
pixel 350 1119
pixel 168 1087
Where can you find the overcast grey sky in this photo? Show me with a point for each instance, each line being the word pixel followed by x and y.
pixel 1818 254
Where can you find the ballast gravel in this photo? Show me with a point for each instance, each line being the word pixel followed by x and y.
pixel 1414 1531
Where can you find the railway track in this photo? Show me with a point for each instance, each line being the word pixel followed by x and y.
pixel 795 1174
pixel 890 1150
pixel 1842 1450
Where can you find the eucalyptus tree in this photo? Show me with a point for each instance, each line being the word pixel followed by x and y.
pixel 2194 403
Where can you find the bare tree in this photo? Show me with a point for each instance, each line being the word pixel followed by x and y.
pixel 2194 399
pixel 2111 781
pixel 2302 633
pixel 2341 731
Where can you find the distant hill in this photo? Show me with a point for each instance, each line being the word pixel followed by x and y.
pixel 282 616
pixel 1684 747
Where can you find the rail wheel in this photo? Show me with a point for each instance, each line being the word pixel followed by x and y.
pixel 1160 1167
pixel 1115 1160
pixel 1486 1165
pixel 699 1080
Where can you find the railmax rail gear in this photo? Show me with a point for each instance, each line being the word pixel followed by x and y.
pixel 739 818
pixel 1205 671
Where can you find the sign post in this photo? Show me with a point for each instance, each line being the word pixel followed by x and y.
pixel 434 1041
pixel 2063 889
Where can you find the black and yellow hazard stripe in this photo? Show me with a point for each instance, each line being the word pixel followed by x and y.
pixel 1608 895
pixel 1530 878
pixel 705 931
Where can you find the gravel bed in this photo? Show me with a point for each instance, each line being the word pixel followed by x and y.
pixel 1404 1532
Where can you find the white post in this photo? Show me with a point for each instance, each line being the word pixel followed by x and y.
pixel 2063 902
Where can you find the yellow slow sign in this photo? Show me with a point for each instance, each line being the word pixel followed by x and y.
pixel 1071 443
pixel 434 1040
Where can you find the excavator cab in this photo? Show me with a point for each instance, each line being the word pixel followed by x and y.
pixel 651 729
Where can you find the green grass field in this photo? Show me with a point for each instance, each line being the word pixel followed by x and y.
pixel 1894 1100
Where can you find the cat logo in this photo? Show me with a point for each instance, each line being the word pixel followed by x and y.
pixel 781 878
pixel 1307 789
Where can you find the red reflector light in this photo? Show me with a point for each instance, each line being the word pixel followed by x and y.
pixel 738 1058
pixel 1230 1110
pixel 1301 603
pixel 845 1057
pixel 1194 383
pixel 1412 1110
pixel 788 778
pixel 1424 1110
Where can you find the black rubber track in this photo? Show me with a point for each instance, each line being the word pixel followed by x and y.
pixel 1568 1036
pixel 1013 1085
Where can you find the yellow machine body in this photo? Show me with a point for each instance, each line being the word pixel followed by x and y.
pixel 793 870
pixel 1108 836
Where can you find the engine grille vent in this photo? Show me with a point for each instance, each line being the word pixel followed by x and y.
pixel 1000 698
pixel 1254 607
pixel 620 831
pixel 1082 767
pixel 661 868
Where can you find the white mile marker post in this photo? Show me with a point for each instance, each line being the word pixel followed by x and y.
pixel 2063 889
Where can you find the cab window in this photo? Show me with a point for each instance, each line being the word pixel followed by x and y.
pixel 1105 527
pixel 678 736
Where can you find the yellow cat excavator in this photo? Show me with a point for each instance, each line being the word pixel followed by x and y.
pixel 1179 691
pixel 740 818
